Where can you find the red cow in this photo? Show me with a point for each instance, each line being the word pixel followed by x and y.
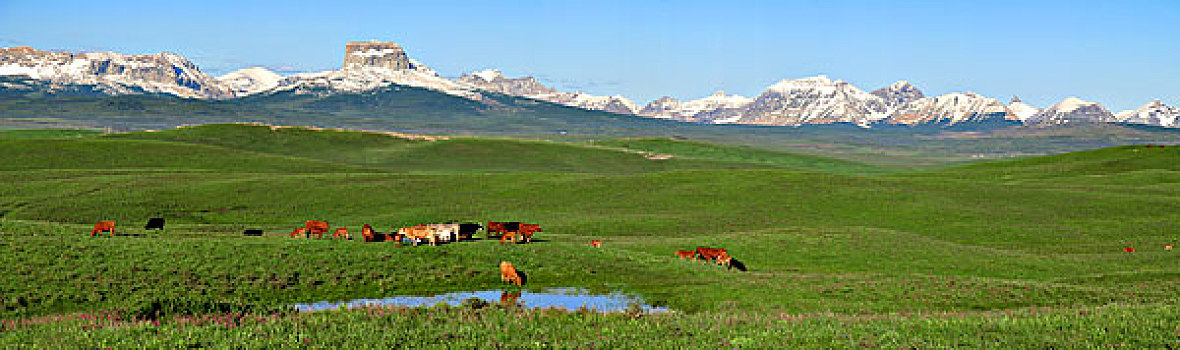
pixel 509 274
pixel 1129 249
pixel 710 254
pixel 316 227
pixel 367 233
pixel 103 226
pixel 1168 247
pixel 341 233
pixel 686 254
pixel 501 227
pixel 596 243
pixel 298 232
pixel 528 230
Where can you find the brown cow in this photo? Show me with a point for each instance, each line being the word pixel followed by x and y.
pixel 508 236
pixel 528 230
pixel 316 227
pixel 341 233
pixel 103 226
pixel 686 254
pixel 508 274
pixel 298 232
pixel 596 243
pixel 1168 247
pixel 367 233
pixel 710 254
pixel 501 227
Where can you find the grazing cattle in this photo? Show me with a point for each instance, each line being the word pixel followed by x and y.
pixel 154 224
pixel 509 274
pixel 596 243
pixel 467 231
pixel 710 254
pixel 299 232
pixel 501 227
pixel 725 260
pixel 316 227
pixel 686 254
pixel 528 230
pixel 367 233
pixel 509 298
pixel 341 233
pixel 1129 249
pixel 418 234
pixel 445 232
pixel 252 233
pixel 103 226
pixel 1168 247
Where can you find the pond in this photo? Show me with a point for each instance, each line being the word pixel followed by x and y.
pixel 567 298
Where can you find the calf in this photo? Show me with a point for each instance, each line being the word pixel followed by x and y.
pixel 341 233
pixel 154 224
pixel 509 274
pixel 596 243
pixel 252 233
pixel 686 254
pixel 103 226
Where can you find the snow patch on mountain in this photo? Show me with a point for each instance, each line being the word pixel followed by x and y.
pixel 1153 113
pixel 1072 110
pixel 250 81
pixel 949 109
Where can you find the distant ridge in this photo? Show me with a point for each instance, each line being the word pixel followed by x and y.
pixel 373 65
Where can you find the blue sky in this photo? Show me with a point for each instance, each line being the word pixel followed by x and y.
pixel 1120 53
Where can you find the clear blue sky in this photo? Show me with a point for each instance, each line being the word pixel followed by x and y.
pixel 1120 53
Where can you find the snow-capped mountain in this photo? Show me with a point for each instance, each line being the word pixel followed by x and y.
pixel 949 109
pixel 1072 110
pixel 899 93
pixel 114 73
pixel 1153 113
pixel 1022 111
pixel 250 81
pixel 492 80
pixel 814 100
pixel 700 110
pixel 371 65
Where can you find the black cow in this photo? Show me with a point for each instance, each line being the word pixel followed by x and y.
pixel 512 226
pixel 253 233
pixel 467 231
pixel 154 224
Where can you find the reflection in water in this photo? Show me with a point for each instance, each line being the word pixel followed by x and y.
pixel 509 298
pixel 567 298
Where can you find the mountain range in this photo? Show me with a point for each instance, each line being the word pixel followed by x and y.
pixel 373 66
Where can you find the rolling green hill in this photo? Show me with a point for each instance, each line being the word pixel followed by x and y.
pixel 862 254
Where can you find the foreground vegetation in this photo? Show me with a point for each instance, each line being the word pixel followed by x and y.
pixel 988 255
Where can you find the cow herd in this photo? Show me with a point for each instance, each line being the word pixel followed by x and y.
pixel 719 256
pixel 433 234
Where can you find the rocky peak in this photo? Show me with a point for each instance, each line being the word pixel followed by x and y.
pixel 900 93
pixel 114 73
pixel 1071 110
pixel 379 54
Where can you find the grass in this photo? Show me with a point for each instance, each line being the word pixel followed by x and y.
pixel 870 257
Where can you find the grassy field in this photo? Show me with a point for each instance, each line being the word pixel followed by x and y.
pixel 1023 253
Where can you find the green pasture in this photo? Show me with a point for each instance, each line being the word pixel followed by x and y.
pixel 872 251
